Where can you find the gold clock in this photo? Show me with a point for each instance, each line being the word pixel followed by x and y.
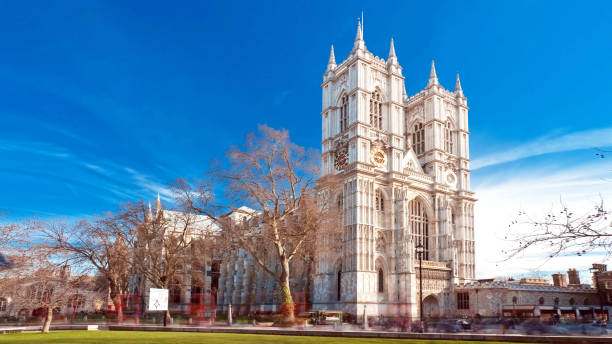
pixel 378 158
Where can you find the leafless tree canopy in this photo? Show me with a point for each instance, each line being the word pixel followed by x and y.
pixel 98 245
pixel 264 198
pixel 562 232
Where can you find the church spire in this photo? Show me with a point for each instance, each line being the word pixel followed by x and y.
pixel 392 49
pixel 433 78
pixel 149 215
pixel 392 58
pixel 458 89
pixel 359 42
pixel 331 64
pixel 158 205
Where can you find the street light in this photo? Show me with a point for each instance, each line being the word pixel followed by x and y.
pixel 420 250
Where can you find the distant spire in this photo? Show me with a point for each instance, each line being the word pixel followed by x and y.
pixel 331 64
pixel 458 89
pixel 359 43
pixel 359 36
pixel 149 213
pixel 158 205
pixel 392 58
pixel 433 78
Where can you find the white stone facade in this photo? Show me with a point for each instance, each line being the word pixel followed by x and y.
pixel 404 162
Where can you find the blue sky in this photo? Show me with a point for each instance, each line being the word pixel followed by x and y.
pixel 105 102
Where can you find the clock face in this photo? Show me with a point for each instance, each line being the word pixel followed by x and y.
pixel 341 158
pixel 378 158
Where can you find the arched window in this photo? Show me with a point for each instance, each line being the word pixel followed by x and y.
pixel 541 300
pixel 418 139
pixel 376 110
pixel 344 113
pixel 339 283
pixel 419 225
pixel 448 137
pixel 380 201
pixel 381 280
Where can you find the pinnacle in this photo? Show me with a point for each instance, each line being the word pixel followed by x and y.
pixel 458 89
pixel 433 78
pixel 332 57
pixel 458 84
pixel 392 49
pixel 359 36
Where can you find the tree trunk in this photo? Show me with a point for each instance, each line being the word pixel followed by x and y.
pixel 167 318
pixel 115 295
pixel 118 307
pixel 287 305
pixel 48 318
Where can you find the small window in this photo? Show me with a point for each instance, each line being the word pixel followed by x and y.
pixel 448 137
pixel 463 301
pixel 556 301
pixel 381 281
pixel 3 303
pixel 572 301
pixel 344 114
pixel 514 300
pixel 376 110
pixel 541 300
pixel 380 201
pixel 418 139
pixel 339 283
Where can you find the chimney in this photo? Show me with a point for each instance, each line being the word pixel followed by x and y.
pixel 573 277
pixel 559 280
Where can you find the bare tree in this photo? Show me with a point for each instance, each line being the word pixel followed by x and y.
pixel 562 232
pixel 40 281
pixel 263 196
pixel 99 245
pixel 162 242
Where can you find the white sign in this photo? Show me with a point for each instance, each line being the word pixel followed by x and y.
pixel 158 299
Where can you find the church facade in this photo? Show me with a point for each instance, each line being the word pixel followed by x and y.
pixel 405 166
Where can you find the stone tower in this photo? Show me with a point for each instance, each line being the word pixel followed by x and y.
pixel 404 162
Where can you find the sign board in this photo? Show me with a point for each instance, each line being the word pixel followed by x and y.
pixel 158 299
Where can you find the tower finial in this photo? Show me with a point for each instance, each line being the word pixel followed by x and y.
pixel 392 49
pixel 158 206
pixel 433 78
pixel 149 215
pixel 458 89
pixel 359 44
pixel 331 64
pixel 392 59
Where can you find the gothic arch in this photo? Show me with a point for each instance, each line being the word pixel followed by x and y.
pixel 383 98
pixel 380 264
pixel 341 94
pixel 420 226
pixel 426 202
pixel 431 306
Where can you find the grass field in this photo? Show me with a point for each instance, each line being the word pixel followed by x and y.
pixel 121 337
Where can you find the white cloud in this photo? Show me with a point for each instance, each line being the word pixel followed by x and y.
pixel 501 196
pixel 549 144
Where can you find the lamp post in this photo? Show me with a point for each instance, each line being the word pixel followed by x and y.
pixel 420 250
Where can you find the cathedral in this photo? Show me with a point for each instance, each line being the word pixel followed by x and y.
pixel 405 166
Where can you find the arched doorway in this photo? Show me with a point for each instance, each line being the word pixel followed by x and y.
pixel 431 308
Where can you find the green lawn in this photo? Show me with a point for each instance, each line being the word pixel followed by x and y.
pixel 108 337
